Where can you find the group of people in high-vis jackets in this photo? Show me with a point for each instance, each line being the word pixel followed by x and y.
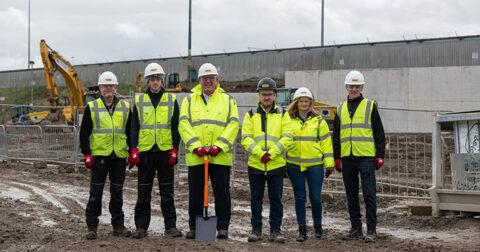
pixel 295 141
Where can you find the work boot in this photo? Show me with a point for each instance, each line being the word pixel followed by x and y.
pixel 91 233
pixel 139 233
pixel 173 232
pixel 318 231
pixel 255 236
pixel 302 233
pixel 222 234
pixel 277 237
pixel 121 231
pixel 371 236
pixel 190 234
pixel 355 233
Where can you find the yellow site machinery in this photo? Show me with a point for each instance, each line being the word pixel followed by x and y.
pixel 53 62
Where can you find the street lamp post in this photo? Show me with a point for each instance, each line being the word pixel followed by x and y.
pixel 189 59
pixel 323 18
pixel 28 62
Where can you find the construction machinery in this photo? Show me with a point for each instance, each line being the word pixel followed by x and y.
pixel 172 83
pixel 285 97
pixel 53 62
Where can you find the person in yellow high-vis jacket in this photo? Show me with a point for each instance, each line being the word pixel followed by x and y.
pixel 266 135
pixel 310 155
pixel 359 147
pixel 154 141
pixel 104 138
pixel 209 126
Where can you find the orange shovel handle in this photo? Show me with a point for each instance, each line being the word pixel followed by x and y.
pixel 205 182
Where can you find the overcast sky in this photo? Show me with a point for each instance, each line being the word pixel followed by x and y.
pixel 89 31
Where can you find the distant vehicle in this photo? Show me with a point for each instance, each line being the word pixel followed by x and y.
pixel 285 97
pixel 172 83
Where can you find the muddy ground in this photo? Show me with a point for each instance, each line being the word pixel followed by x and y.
pixel 43 210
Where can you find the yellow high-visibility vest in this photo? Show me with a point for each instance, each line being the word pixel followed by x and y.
pixel 108 134
pixel 155 123
pixel 356 134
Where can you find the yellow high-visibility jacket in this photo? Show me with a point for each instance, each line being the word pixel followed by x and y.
pixel 356 134
pixel 155 123
pixel 205 125
pixel 278 137
pixel 312 143
pixel 108 133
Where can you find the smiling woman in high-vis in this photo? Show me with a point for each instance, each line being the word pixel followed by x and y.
pixel 309 159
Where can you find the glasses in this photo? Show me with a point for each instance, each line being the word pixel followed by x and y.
pixel 267 94
pixel 210 78
pixel 354 86
pixel 154 78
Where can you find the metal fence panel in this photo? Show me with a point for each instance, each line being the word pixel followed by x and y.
pixel 24 142
pixel 3 141
pixel 60 143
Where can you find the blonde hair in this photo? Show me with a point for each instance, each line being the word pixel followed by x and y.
pixel 292 109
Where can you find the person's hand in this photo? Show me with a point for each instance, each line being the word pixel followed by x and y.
pixel 134 157
pixel 173 160
pixel 328 172
pixel 89 161
pixel 200 151
pixel 214 151
pixel 338 165
pixel 265 158
pixel 378 163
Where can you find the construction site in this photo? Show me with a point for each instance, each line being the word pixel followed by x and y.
pixel 428 191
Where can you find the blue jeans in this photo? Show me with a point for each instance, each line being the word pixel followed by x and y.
pixel 366 168
pixel 314 178
pixel 275 192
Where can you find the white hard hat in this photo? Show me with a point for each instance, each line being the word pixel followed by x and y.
pixel 153 69
pixel 107 78
pixel 207 69
pixel 354 78
pixel 302 92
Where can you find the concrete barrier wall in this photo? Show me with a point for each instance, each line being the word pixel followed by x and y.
pixel 407 97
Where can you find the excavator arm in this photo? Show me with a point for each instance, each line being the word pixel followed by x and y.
pixel 52 62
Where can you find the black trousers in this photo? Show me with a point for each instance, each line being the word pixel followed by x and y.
pixel 220 179
pixel 115 169
pixel 152 163
pixel 366 168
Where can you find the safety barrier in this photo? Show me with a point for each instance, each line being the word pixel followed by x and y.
pixel 39 143
pixel 406 173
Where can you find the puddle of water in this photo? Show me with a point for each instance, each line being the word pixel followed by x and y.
pixel 15 193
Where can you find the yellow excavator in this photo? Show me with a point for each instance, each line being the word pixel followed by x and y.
pixel 53 62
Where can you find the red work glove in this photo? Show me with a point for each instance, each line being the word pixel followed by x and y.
pixel 265 158
pixel 173 160
pixel 214 151
pixel 134 157
pixel 89 161
pixel 328 172
pixel 378 163
pixel 200 151
pixel 338 165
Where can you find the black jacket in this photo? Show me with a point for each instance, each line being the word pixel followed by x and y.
pixel 155 98
pixel 377 127
pixel 87 126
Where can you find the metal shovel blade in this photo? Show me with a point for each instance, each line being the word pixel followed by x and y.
pixel 206 228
